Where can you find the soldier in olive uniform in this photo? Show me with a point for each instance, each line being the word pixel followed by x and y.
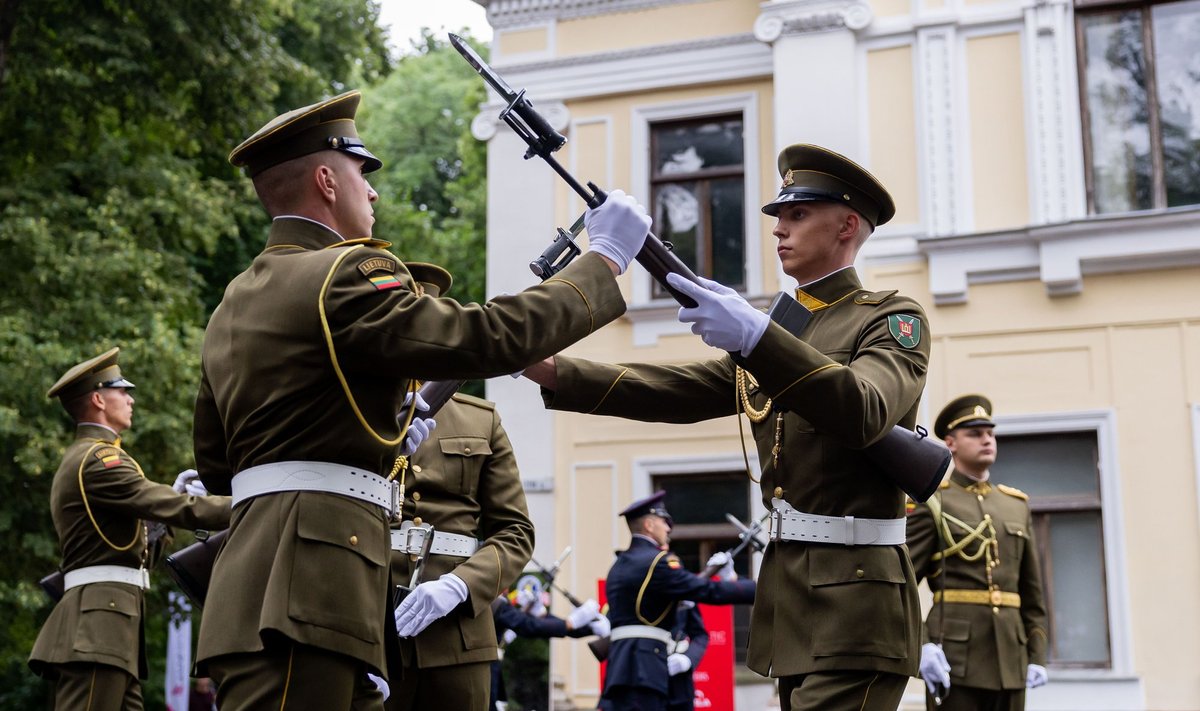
pixel 311 354
pixel 92 643
pixel 836 617
pixel 973 542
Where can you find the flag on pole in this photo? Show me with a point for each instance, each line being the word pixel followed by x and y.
pixel 179 652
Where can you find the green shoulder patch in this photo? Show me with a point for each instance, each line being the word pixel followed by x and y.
pixel 906 329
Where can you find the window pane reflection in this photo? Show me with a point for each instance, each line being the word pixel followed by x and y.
pixel 1177 63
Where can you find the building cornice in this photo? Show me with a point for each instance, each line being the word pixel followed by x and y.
pixel 781 18
pixel 503 14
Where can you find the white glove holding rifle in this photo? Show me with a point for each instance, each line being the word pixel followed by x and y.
pixel 934 667
pixel 429 602
pixel 617 229
pixel 188 482
pixel 419 429
pixel 721 317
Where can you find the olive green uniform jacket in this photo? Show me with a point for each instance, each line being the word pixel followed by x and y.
pixel 988 647
pixel 843 385
pixel 308 357
pixel 465 480
pixel 99 492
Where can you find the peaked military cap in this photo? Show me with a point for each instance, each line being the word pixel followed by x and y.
pixel 92 374
pixel 325 125
pixel 652 504
pixel 964 411
pixel 814 173
pixel 432 278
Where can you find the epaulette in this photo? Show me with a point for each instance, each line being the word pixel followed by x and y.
pixel 873 298
pixel 365 241
pixel 1013 491
pixel 476 401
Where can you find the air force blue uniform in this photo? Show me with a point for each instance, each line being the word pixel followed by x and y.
pixel 643 588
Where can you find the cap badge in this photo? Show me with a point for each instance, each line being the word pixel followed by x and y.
pixel 788 180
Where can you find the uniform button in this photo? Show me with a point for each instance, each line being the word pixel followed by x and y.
pixel 467 450
pixel 112 603
pixel 417 521
pixel 995 611
pixel 354 540
pixel 1020 533
pixel 859 572
pixel 979 497
pixel 779 492
pixel 416 468
pixel 416 496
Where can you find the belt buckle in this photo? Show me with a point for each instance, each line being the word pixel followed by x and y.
pixel 421 532
pixel 997 597
pixel 394 511
pixel 776 527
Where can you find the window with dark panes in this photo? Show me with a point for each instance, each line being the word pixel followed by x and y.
pixel 698 504
pixel 697 189
pixel 1140 85
pixel 1061 474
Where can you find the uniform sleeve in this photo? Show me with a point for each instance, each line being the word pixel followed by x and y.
pixel 123 491
pixel 440 339
pixel 529 626
pixel 650 393
pixel 674 582
pixel 208 442
pixel 504 525
pixel 923 542
pixel 697 635
pixel 1033 605
pixel 857 402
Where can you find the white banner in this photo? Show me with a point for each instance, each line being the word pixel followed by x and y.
pixel 179 653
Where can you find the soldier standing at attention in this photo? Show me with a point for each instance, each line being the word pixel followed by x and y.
pixel 307 361
pixel 836 617
pixel 644 587
pixel 91 645
pixel 973 542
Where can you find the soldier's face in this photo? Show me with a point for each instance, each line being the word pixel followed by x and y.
pixel 658 529
pixel 974 447
pixel 353 210
pixel 118 407
pixel 808 244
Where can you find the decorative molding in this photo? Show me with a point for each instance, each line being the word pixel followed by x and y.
pixel 1061 254
pixel 502 14
pixel 936 96
pixel 779 19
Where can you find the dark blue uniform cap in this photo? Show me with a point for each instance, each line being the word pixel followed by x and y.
pixel 652 504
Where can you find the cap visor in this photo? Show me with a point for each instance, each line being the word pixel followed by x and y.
pixel 370 162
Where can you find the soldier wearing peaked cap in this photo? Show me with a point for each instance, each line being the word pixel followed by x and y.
pixel 985 638
pixel 101 503
pixel 836 617
pixel 644 587
pixel 306 363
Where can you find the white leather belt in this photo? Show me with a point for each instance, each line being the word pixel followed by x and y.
pixel 788 524
pixel 139 577
pixel 324 477
pixel 410 539
pixel 642 632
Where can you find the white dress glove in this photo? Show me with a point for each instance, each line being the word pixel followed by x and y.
pixel 380 684
pixel 600 626
pixel 585 613
pixel 934 667
pixel 429 602
pixel 678 664
pixel 526 598
pixel 721 317
pixel 1035 676
pixel 419 430
pixel 618 228
pixel 185 477
pixel 722 560
pixel 508 637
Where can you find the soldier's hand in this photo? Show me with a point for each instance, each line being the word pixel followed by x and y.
pixel 617 229
pixel 429 602
pixel 721 317
pixel 934 667
pixel 582 615
pixel 678 664
pixel 419 429
pixel 1035 676
pixel 380 684
pixel 195 487
pixel 600 626
pixel 721 560
pixel 508 637
pixel 185 476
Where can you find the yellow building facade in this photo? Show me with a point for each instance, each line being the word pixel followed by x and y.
pixel 1041 155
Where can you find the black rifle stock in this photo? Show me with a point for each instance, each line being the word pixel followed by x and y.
pixel 542 141
pixel 191 567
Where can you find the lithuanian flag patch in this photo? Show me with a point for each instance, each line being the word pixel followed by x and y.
pixel 109 456
pixel 384 282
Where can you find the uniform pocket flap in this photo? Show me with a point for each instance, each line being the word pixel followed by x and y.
pixel 956 630
pixel 1015 528
pixel 111 598
pixel 340 522
pixel 829 565
pixel 465 446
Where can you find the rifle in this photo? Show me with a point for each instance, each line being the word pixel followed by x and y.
pixel 191 567
pixel 656 255
pixel 552 571
pixel 54 584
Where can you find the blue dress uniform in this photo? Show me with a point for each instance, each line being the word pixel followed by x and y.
pixel 508 617
pixel 691 639
pixel 643 588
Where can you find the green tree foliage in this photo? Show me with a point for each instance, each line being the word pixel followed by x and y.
pixel 121 223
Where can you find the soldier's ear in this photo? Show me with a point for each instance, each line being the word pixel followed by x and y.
pixel 325 181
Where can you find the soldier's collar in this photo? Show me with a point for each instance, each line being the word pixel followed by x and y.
pixel 302 232
pixel 971 485
pixel 829 289
pixel 95 430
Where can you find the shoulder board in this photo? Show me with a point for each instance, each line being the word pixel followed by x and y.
pixel 1013 491
pixel 108 456
pixel 872 298
pixel 365 241
pixel 476 401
